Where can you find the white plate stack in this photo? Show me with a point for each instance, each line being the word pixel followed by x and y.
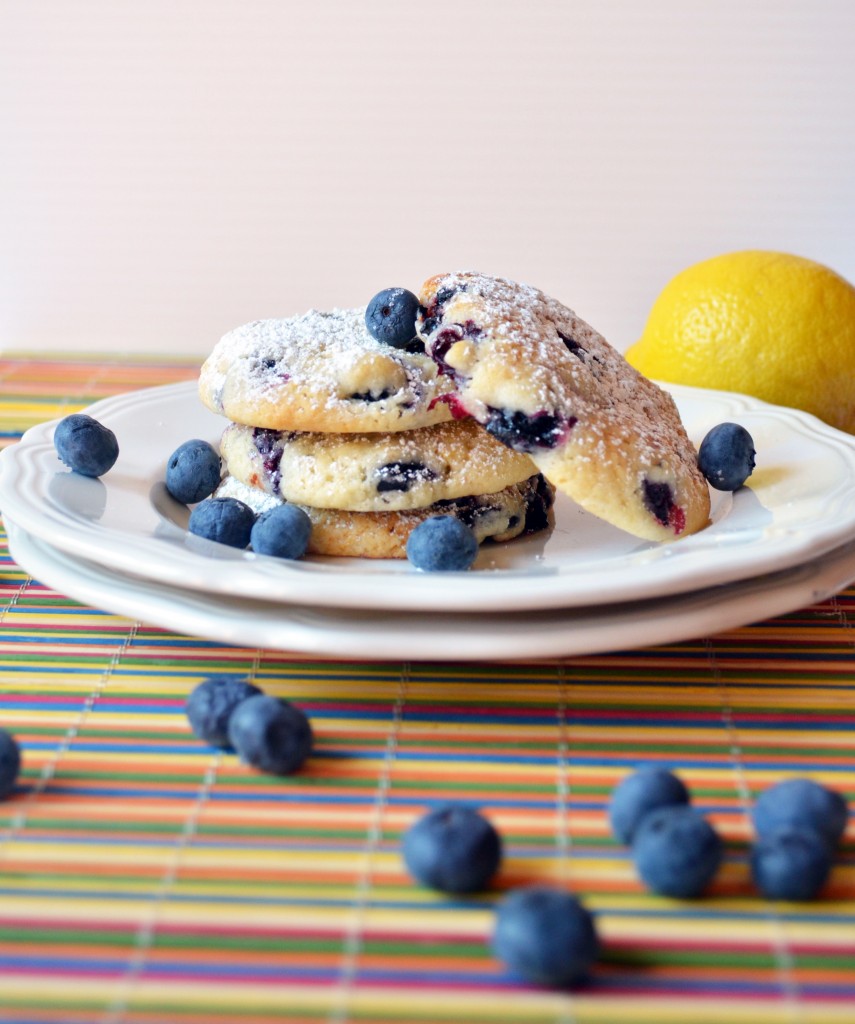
pixel 120 543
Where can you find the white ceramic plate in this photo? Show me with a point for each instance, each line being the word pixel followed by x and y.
pixel 411 636
pixel 800 503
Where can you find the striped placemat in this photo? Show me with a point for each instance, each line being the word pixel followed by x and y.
pixel 147 878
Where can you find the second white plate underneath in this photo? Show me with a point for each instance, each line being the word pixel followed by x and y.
pixel 387 636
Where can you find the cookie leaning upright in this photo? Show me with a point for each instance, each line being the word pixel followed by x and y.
pixel 546 383
pixel 321 371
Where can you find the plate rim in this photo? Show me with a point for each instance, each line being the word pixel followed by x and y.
pixel 320 583
pixel 562 633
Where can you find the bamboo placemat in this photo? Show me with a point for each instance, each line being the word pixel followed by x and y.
pixel 146 878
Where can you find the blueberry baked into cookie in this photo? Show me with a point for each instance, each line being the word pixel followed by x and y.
pixel 374 472
pixel 547 384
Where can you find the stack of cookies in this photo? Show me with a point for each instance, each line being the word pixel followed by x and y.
pixel 359 434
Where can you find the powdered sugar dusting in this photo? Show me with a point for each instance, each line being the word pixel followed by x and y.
pixel 321 370
pixel 318 344
pixel 259 501
pixel 547 382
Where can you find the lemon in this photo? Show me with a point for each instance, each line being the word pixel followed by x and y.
pixel 768 324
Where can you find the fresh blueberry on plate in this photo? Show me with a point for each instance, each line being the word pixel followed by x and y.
pixel 391 317
pixel 283 532
pixel 453 848
pixel 270 734
pixel 726 456
pixel 211 704
pixel 442 544
pixel 637 794
pixel 790 863
pixel 546 936
pixel 225 520
pixel 676 851
pixel 10 763
pixel 85 445
pixel 801 803
pixel 193 471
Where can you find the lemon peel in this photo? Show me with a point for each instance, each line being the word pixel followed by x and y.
pixel 769 324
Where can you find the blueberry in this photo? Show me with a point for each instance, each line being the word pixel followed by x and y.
pixel 676 851
pixel 268 444
pixel 85 445
pixel 454 849
pixel 226 520
pixel 391 317
pixel 193 471
pixel 282 532
pixel 539 499
pixel 726 456
pixel 442 544
pixel 546 936
pixel 270 734
pixel 370 396
pixel 636 795
pixel 790 864
pixel 441 344
pixel 400 476
pixel 658 500
pixel 571 344
pixel 804 804
pixel 526 433
pixel 211 704
pixel 10 763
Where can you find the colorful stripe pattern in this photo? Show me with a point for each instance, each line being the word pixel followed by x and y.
pixel 147 878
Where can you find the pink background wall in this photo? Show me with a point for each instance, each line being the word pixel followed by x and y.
pixel 172 168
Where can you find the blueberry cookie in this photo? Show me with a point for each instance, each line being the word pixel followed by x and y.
pixel 373 472
pixel 545 383
pixel 519 509
pixel 320 371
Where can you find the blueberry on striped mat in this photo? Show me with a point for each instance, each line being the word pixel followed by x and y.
pixel 453 848
pixel 270 734
pixel 801 803
pixel 649 787
pixel 676 851
pixel 546 936
pixel 210 705
pixel 10 763
pixel 790 863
